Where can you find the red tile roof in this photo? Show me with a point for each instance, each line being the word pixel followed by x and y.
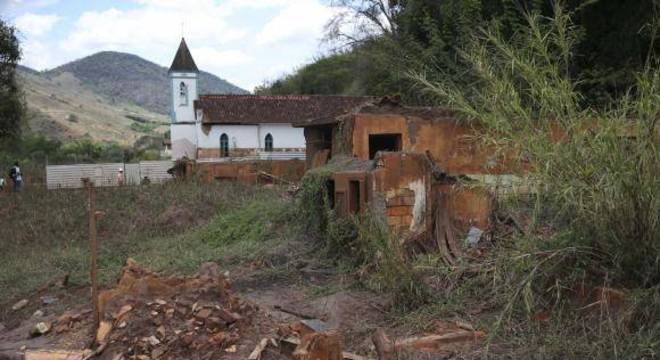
pixel 256 109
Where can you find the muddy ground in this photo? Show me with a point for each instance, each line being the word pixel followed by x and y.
pixel 266 303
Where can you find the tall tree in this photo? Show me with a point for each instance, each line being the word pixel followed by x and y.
pixel 11 103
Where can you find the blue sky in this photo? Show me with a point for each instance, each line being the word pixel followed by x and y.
pixel 243 41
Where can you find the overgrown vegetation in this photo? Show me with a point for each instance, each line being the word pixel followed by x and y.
pixel 596 169
pixel 360 242
pixel 596 186
pixel 172 228
pixel 580 280
pixel 377 42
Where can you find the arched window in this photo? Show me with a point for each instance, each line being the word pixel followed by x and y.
pixel 224 145
pixel 183 94
pixel 268 143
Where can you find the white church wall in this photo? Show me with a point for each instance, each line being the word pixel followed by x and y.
pixel 183 141
pixel 181 112
pixel 240 136
pixel 284 136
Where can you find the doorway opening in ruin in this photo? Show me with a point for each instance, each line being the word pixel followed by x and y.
pixel 383 142
pixel 354 197
pixel 330 188
pixel 326 139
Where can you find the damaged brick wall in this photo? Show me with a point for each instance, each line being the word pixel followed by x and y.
pixel 206 153
pixel 404 181
pixel 452 144
pixel 249 172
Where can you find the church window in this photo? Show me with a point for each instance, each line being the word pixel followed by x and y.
pixel 268 143
pixel 183 94
pixel 224 145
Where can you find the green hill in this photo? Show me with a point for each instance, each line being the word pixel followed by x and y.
pixel 126 78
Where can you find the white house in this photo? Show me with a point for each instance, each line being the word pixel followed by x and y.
pixel 240 126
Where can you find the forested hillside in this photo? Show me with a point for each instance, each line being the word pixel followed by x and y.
pixel 390 40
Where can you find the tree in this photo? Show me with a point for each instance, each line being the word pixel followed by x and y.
pixel 361 20
pixel 11 104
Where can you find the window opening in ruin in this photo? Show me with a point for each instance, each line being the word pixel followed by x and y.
pixel 383 142
pixel 268 142
pixel 353 197
pixel 224 145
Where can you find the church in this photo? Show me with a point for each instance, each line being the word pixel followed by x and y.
pixel 217 127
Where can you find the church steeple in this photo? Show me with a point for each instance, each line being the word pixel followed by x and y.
pixel 183 60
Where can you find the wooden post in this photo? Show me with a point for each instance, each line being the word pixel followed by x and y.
pixel 91 209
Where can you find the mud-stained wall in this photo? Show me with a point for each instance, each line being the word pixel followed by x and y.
pixel 249 171
pixel 468 206
pixel 317 139
pixel 344 196
pixel 451 143
pixel 405 182
pixel 210 153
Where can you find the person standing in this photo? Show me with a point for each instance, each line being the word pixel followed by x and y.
pixel 16 177
pixel 120 177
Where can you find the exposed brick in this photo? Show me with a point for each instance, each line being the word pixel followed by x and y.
pixel 399 211
pixel 405 192
pixel 406 220
pixel 393 201
pixel 407 200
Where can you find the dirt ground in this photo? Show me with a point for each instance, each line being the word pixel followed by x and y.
pixel 161 323
pixel 275 302
pixel 224 311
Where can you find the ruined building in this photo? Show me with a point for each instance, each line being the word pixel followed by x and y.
pixel 421 168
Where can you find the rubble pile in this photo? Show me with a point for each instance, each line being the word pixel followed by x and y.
pixel 149 317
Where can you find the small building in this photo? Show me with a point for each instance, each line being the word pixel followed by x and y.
pixel 413 165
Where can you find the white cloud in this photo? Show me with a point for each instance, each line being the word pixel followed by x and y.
pixel 243 41
pixel 35 24
pixel 156 23
pixel 36 54
pixel 303 18
pixel 210 58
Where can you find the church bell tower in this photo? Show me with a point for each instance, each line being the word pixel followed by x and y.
pixel 183 76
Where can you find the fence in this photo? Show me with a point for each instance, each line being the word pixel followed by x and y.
pixel 69 176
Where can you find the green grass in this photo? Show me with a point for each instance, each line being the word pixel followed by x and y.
pixel 170 228
pixel 143 127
